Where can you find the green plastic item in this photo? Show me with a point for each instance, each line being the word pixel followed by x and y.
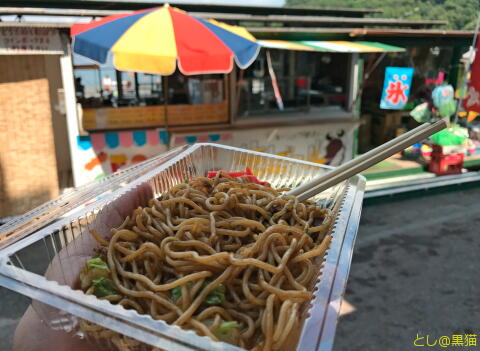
pixel 454 135
pixel 409 105
pixel 447 108
pixel 421 113
pixel 441 94
pixel 462 92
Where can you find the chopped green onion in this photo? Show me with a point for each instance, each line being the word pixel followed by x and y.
pixel 226 328
pixel 94 268
pixel 103 287
pixel 97 263
pixel 216 296
pixel 176 293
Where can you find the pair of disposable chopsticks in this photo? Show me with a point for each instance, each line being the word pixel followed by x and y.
pixel 366 160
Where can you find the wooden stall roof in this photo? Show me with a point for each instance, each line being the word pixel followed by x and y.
pixel 264 22
pixel 141 4
pixel 310 20
pixel 396 37
pixel 392 36
pixel 240 18
pixel 29 24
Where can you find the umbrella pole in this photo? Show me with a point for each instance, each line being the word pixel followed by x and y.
pixel 165 109
pixel 238 93
pixel 100 83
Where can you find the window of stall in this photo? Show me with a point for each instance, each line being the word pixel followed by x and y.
pixel 97 87
pixel 307 81
pixel 103 91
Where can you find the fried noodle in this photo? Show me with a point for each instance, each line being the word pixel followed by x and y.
pixel 175 257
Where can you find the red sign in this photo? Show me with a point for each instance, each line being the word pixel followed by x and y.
pixel 472 99
pixel 23 40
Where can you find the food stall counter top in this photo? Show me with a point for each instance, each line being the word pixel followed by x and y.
pixel 277 120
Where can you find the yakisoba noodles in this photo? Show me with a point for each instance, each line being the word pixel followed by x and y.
pixel 225 257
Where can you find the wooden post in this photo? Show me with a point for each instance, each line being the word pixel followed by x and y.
pixel 70 108
pixel 165 108
pixel 118 76
pixel 137 92
pixel 100 82
pixel 231 95
pixel 352 82
pixel 291 75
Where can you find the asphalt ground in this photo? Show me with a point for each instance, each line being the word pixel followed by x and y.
pixel 415 270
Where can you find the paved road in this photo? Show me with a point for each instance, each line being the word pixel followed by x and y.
pixel 415 270
pixel 12 308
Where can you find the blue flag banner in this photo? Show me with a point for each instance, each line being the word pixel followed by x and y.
pixel 396 87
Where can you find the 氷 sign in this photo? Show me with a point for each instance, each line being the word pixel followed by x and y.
pixel 396 87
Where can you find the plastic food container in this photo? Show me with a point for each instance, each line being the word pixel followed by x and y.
pixel 43 262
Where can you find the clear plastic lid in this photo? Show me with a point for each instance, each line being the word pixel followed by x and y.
pixel 43 263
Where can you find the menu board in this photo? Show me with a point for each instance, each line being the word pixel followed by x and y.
pixel 28 41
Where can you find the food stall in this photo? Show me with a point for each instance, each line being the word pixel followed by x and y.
pixel 294 110
pixel 298 103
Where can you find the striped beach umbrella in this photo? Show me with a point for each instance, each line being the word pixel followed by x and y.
pixel 154 40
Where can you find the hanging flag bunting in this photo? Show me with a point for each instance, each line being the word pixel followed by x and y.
pixel 396 87
pixel 276 90
pixel 472 99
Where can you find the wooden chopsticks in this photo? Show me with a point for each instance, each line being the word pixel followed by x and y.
pixel 366 160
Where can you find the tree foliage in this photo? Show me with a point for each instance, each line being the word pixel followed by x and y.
pixel 460 14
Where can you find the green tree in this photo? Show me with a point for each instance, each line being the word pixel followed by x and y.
pixel 460 14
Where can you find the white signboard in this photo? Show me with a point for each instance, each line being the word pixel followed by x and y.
pixel 330 144
pixel 29 41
